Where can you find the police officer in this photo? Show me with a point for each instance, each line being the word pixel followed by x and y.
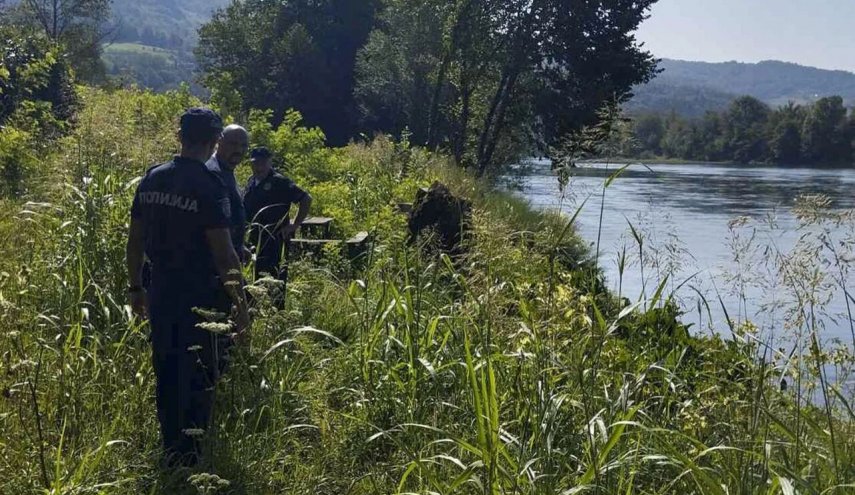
pixel 268 199
pixel 180 221
pixel 230 152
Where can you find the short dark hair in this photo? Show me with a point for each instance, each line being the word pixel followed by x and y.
pixel 260 152
pixel 200 126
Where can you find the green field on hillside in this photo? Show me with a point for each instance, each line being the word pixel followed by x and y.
pixel 148 66
pixel 136 48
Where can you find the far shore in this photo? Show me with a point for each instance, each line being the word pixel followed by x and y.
pixel 678 161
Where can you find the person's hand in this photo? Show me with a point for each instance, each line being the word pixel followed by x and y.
pixel 288 231
pixel 139 303
pixel 245 255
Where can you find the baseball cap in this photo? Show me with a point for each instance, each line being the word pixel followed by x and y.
pixel 260 152
pixel 200 124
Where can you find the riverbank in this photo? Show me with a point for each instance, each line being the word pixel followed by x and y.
pixel 508 370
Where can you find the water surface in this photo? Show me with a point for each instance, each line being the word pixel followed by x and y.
pixel 686 216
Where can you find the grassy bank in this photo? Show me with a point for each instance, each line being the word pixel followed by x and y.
pixel 508 370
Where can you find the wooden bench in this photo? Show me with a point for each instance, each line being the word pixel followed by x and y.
pixel 354 246
pixel 358 240
pixel 316 227
pixel 357 245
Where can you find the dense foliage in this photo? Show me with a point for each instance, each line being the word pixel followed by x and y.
pixel 484 80
pixel 37 99
pixel 749 131
pixel 507 370
pixel 282 55
pixel 77 26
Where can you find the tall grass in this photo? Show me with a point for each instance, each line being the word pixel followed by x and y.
pixel 505 370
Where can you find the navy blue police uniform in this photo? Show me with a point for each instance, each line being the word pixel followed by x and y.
pixel 237 215
pixel 268 202
pixel 177 202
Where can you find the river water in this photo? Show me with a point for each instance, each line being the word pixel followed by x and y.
pixel 726 235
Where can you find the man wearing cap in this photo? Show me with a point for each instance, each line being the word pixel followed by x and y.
pixel 268 199
pixel 180 221
pixel 230 152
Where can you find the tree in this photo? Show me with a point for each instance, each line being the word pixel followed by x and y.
pixel 508 75
pixel 585 56
pixel 680 139
pixel 649 131
pixel 745 129
pixel 77 25
pixel 826 134
pixel 385 92
pixel 785 140
pixel 293 54
pixel 749 131
pixel 394 86
pixel 32 74
pixel 433 58
pixel 485 80
pixel 711 137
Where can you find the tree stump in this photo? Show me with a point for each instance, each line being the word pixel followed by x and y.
pixel 441 214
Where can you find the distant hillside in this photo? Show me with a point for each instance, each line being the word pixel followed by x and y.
pixel 169 24
pixel 690 88
pixel 661 96
pixel 153 41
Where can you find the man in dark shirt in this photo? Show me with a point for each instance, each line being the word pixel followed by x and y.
pixel 230 153
pixel 180 221
pixel 268 199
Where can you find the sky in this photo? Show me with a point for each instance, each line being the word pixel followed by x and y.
pixel 818 33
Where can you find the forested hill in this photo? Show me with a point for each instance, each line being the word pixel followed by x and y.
pixel 169 24
pixel 152 41
pixel 691 88
pixel 662 95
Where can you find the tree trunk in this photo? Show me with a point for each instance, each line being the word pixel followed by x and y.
pixel 498 126
pixel 488 122
pixel 433 117
pixel 434 104
pixel 54 30
pixel 463 124
pixel 494 123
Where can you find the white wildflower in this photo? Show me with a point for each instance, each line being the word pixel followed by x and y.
pixel 270 282
pixel 193 432
pixel 210 315
pixel 213 327
pixel 206 483
pixel 256 291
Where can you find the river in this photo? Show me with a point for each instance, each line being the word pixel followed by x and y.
pixel 720 234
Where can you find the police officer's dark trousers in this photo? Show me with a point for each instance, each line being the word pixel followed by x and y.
pixel 187 361
pixel 271 249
